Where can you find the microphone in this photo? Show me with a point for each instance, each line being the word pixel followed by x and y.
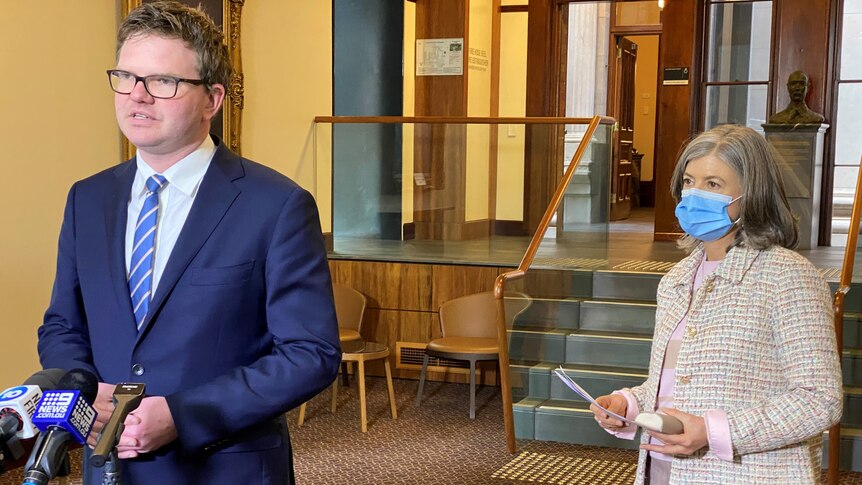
pixel 17 406
pixel 62 416
pixel 127 397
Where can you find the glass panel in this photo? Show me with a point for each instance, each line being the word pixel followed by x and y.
pixel 739 44
pixel 848 149
pixel 851 40
pixel 451 193
pixel 848 125
pixel 739 104
pixel 638 13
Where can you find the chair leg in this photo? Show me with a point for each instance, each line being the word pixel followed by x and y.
pixel 334 395
pixel 301 418
pixel 344 378
pixel 422 380
pixel 472 389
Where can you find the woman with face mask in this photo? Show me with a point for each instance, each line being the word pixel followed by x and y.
pixel 744 352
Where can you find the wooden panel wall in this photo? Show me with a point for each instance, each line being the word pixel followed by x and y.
pixel 440 151
pixel 546 78
pixel 404 299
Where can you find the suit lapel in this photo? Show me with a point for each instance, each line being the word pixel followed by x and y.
pixel 116 214
pixel 215 196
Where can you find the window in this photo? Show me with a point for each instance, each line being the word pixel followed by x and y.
pixel 738 63
pixel 848 120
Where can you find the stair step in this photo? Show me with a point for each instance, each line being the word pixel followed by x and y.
pixel 625 285
pixel 563 421
pixel 546 314
pixel 618 350
pixel 609 316
pixel 537 346
pixel 851 449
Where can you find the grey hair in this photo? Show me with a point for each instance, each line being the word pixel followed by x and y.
pixel 765 217
pixel 173 20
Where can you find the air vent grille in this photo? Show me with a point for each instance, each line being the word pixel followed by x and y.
pixel 409 355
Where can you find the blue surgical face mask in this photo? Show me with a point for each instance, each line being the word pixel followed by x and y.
pixel 703 215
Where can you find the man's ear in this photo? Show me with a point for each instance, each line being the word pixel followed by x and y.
pixel 215 97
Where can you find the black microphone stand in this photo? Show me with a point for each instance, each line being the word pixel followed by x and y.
pixel 113 469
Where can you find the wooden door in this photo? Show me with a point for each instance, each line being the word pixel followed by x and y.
pixel 623 102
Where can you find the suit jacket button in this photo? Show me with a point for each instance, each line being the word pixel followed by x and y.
pixel 138 370
pixel 684 379
pixel 690 331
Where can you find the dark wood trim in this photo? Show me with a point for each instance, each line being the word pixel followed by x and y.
pixel 452 231
pixel 465 120
pixel 328 241
pixel 513 8
pixel 408 231
pixel 509 228
pixel 736 83
pixel 667 236
pixel 626 30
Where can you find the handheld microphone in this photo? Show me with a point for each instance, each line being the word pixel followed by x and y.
pixel 20 402
pixel 62 416
pixel 127 397
pixel 17 406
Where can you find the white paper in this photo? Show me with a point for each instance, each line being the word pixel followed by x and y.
pixel 584 394
pixel 440 57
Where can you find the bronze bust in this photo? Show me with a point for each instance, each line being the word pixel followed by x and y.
pixel 797 112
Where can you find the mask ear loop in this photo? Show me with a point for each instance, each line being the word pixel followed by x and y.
pixel 740 214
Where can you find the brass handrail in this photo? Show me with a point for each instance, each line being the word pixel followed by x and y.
pixel 462 120
pixel 500 283
pixel 838 306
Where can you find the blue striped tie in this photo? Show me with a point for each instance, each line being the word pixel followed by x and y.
pixel 143 254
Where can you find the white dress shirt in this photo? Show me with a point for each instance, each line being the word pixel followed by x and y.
pixel 175 202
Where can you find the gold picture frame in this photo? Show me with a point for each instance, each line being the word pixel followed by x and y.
pixel 231 112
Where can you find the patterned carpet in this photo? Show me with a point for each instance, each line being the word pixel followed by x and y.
pixel 436 443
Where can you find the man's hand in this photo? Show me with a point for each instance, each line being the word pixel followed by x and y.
pixel 104 406
pixel 147 428
pixel 614 403
pixel 693 437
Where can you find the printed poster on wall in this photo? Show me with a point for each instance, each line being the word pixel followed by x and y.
pixel 439 57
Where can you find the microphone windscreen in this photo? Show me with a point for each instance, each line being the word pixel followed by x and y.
pixel 80 380
pixel 46 379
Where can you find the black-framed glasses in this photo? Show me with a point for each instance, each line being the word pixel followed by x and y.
pixel 158 85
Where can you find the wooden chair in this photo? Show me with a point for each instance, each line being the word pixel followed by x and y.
pixel 349 310
pixel 469 329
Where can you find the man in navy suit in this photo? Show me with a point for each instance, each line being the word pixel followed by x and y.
pixel 201 274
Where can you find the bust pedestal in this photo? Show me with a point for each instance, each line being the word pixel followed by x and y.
pixel 801 164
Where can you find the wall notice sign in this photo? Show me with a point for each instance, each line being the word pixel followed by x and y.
pixel 439 57
pixel 675 76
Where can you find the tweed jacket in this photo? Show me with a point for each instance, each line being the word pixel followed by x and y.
pixel 760 345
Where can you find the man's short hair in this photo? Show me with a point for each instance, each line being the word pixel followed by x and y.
pixel 173 20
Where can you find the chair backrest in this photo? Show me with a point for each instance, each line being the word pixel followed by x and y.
pixel 470 316
pixel 349 306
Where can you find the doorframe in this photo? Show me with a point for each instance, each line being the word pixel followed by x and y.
pixel 617 31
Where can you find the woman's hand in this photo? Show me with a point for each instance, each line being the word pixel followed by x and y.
pixel 693 437
pixel 614 403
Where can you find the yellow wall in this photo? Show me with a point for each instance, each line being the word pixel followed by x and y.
pixel 56 126
pixel 287 60
pixel 646 76
pixel 478 104
pixel 409 110
pixel 513 96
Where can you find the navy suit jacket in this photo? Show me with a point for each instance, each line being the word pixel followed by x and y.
pixel 241 327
